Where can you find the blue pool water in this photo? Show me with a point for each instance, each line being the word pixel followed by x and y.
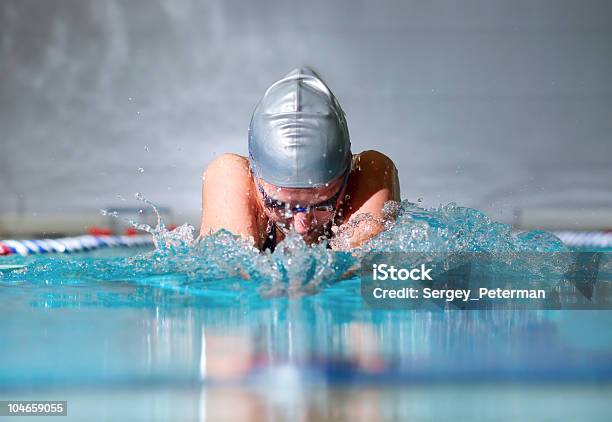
pixel 213 326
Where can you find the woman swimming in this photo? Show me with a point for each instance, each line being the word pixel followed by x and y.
pixel 300 173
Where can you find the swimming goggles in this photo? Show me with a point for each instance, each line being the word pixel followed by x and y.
pixel 329 205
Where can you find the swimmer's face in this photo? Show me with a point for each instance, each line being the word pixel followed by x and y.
pixel 307 210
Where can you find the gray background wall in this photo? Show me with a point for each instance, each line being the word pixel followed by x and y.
pixel 494 105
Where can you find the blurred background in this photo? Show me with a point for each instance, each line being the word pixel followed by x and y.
pixel 501 106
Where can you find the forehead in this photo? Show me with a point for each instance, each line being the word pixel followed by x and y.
pixel 301 195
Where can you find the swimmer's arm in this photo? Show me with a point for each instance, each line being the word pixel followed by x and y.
pixel 375 181
pixel 227 199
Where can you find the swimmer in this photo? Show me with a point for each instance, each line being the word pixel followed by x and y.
pixel 300 173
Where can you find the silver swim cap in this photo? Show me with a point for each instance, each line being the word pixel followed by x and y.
pixel 298 137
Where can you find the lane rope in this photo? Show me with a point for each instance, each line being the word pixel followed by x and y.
pixel 71 244
pixel 596 239
pixel 91 242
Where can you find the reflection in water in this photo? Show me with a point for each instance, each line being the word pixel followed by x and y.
pixel 228 354
pixel 322 402
pixel 448 402
pixel 147 333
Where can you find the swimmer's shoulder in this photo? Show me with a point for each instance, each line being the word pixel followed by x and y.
pixel 228 168
pixel 373 180
pixel 228 161
pixel 229 173
pixel 372 161
pixel 229 199
pixel 370 171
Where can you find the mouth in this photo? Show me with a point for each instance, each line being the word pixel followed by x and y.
pixel 288 228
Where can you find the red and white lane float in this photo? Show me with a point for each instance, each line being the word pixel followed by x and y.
pixel 4 250
pixel 71 244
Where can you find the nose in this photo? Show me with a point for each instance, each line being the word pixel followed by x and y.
pixel 302 221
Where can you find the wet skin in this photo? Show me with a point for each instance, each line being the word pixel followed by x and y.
pixel 232 201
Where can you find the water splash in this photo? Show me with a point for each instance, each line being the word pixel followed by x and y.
pixel 294 268
pixel 451 228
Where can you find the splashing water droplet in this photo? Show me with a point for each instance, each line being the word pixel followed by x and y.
pixel 141 170
pixel 112 214
pixel 146 148
pixel 296 268
pixel 160 224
